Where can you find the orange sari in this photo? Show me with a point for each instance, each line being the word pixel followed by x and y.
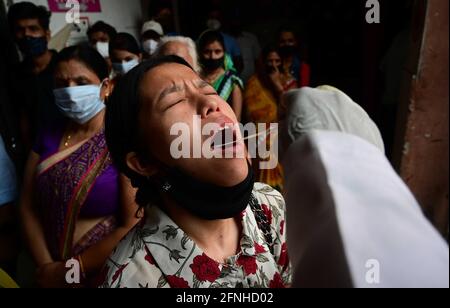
pixel 261 107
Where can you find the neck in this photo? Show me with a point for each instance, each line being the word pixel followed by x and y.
pixel 41 62
pixel 219 239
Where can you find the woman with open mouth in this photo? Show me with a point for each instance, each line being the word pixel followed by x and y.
pixel 207 223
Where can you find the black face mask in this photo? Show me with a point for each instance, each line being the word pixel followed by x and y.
pixel 208 201
pixel 33 46
pixel 288 50
pixel 213 64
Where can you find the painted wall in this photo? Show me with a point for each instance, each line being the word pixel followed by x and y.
pixel 124 15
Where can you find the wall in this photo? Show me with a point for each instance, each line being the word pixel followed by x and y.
pixel 422 140
pixel 124 15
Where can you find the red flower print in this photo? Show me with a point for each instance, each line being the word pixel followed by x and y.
pixel 205 269
pixel 149 259
pixel 118 272
pixel 176 282
pixel 277 282
pixel 259 249
pixel 282 227
pixel 267 213
pixel 249 264
pixel 284 259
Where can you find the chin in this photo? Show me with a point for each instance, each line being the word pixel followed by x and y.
pixel 231 172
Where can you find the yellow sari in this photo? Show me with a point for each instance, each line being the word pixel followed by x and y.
pixel 261 107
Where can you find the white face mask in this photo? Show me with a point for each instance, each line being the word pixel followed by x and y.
pixel 125 67
pixel 149 46
pixel 213 24
pixel 80 103
pixel 103 49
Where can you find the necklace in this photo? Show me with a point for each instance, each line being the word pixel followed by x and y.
pixel 67 141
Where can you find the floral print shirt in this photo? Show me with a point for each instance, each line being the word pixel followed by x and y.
pixel 158 254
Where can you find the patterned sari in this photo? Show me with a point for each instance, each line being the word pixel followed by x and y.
pixel 64 181
pixel 261 107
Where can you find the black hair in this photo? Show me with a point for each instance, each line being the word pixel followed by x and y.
pixel 284 29
pixel 268 50
pixel 28 10
pixel 101 26
pixel 208 37
pixel 122 131
pixel 125 41
pixel 86 55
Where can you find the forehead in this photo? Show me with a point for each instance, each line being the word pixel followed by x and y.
pixel 214 46
pixel 73 68
pixel 273 56
pixel 287 35
pixel 99 34
pixel 120 53
pixel 29 22
pixel 163 76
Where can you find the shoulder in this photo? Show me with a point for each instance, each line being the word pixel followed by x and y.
pixel 131 265
pixel 272 203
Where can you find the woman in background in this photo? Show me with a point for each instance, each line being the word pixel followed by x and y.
pixel 125 54
pixel 218 70
pixel 262 96
pixel 74 203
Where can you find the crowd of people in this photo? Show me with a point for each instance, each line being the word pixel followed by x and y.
pixel 99 184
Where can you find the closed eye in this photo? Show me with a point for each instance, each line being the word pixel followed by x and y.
pixel 175 103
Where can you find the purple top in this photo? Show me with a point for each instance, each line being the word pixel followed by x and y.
pixel 103 199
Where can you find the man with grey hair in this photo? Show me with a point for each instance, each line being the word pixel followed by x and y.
pixel 181 46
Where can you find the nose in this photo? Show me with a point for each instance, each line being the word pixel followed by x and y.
pixel 28 32
pixel 206 105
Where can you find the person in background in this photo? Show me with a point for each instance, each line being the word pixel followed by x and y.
pixel 216 22
pixel 181 46
pixel 165 17
pixel 9 246
pixel 262 97
pixel 74 202
pixel 99 35
pixel 32 81
pixel 353 207
pixel 125 54
pixel 216 70
pixel 151 34
pixel 208 224
pixel 248 44
pixel 292 62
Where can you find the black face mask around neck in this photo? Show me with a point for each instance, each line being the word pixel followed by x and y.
pixel 208 201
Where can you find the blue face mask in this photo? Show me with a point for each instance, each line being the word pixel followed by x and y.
pixel 80 103
pixel 125 67
pixel 33 46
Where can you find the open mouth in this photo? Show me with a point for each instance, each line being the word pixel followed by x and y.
pixel 225 138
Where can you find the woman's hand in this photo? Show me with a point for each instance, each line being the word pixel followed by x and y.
pixel 277 80
pixel 52 275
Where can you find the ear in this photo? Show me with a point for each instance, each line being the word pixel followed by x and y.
pixel 106 89
pixel 136 164
pixel 140 57
pixel 48 35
